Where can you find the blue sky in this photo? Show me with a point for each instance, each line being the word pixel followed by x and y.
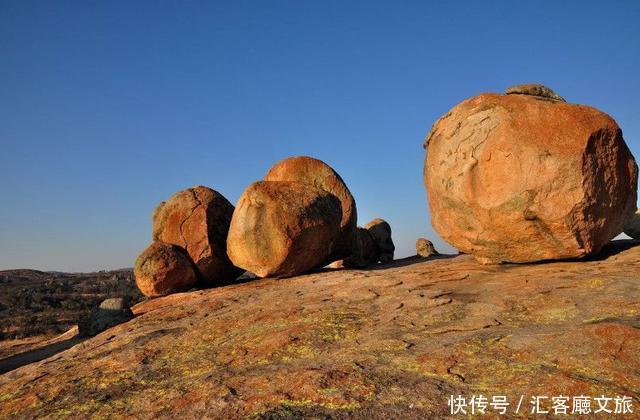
pixel 109 107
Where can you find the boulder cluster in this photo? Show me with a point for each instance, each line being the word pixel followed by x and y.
pixel 517 177
pixel 189 246
pixel 300 217
pixel 527 176
pixel 373 245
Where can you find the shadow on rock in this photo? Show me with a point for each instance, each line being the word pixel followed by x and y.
pixel 14 362
pixel 611 249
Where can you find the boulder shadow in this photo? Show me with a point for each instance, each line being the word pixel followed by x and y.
pixel 414 259
pixel 611 249
pixel 401 262
pixel 21 359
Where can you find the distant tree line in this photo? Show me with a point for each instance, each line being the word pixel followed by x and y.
pixel 44 304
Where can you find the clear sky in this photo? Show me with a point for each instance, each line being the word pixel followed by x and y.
pixel 107 108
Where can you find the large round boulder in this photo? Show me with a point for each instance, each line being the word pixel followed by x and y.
pixel 282 229
pixel 381 232
pixel 317 173
pixel 162 269
pixel 527 177
pixel 197 219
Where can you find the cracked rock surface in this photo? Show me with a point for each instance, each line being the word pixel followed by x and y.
pixel 197 219
pixel 512 178
pixel 390 342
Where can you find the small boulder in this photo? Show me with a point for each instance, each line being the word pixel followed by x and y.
pixel 533 89
pixel 381 232
pixel 425 248
pixel 197 219
pixel 110 313
pixel 282 229
pixel 315 172
pixel 162 269
pixel 115 304
pixel 365 251
pixel 632 225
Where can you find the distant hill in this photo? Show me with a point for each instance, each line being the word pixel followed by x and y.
pixel 24 274
pixel 38 303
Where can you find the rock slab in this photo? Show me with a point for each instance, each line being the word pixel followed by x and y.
pixel 393 342
pixel 513 178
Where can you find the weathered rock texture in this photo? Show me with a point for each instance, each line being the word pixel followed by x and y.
pixel 515 178
pixel 425 248
pixel 115 304
pixel 385 343
pixel 197 219
pixel 162 269
pixel 315 172
pixel 534 90
pixel 283 228
pixel 381 232
pixel 632 225
pixel 365 251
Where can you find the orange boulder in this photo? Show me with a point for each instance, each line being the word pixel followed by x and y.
pixel 162 269
pixel 282 229
pixel 197 219
pixel 521 178
pixel 317 173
